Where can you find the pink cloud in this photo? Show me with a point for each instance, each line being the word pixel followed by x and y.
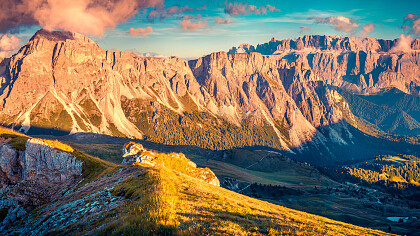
pixel 8 44
pixel 175 9
pixel 190 17
pixel 187 25
pixel 237 9
pixel 140 31
pixel 410 16
pixel 304 29
pixel 272 8
pixel 220 21
pixel 405 27
pixel 412 23
pixel 90 17
pixel 403 44
pixel 368 28
pixel 340 23
pixel 165 13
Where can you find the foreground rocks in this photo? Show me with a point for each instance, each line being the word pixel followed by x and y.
pixel 31 177
pixel 134 153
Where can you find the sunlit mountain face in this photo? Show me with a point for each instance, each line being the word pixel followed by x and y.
pixel 134 117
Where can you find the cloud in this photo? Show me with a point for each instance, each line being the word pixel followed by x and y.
pixel 340 23
pixel 304 29
pixel 165 13
pixel 187 25
pixel 8 44
pixel 144 32
pixel 405 27
pixel 412 24
pixel 92 17
pixel 146 54
pixel 390 20
pixel 410 17
pixel 220 21
pixel 403 44
pixel 175 10
pixel 190 17
pixel 368 28
pixel 272 8
pixel 237 9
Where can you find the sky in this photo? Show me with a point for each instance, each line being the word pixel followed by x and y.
pixel 190 29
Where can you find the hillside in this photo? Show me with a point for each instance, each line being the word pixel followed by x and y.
pixel 268 175
pixel 160 198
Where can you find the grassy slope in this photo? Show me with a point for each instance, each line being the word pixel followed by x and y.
pixel 166 201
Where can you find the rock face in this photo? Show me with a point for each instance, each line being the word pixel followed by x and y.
pixel 39 162
pixel 86 203
pixel 363 65
pixel 134 153
pixel 31 177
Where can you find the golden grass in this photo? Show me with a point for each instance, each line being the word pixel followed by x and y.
pixel 164 201
pixel 58 145
pixel 213 210
pixel 15 139
pixel 4 130
pixel 152 206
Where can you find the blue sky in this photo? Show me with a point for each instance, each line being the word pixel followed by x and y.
pixel 169 38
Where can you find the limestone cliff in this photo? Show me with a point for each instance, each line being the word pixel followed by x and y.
pixel 39 162
pixel 33 176
pixel 362 65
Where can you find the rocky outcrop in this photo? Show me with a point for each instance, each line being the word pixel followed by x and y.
pixel 30 177
pixel 48 165
pixel 362 65
pixel 39 162
pixel 134 153
pixel 86 203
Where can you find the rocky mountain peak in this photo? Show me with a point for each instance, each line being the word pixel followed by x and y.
pixel 59 36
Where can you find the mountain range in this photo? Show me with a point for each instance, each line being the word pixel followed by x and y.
pixel 284 94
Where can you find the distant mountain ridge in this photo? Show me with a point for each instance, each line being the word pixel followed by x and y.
pixel 322 42
pixel 63 82
pixel 362 65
